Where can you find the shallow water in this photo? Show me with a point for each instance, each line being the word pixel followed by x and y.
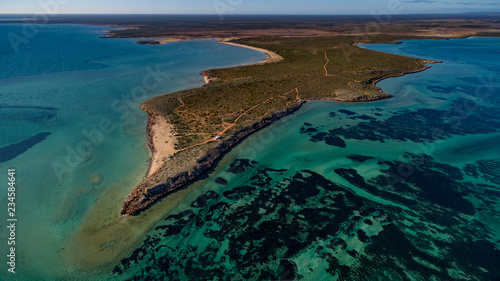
pixel 406 188
pixel 72 128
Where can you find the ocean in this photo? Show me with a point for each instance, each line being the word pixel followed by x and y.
pixel 73 130
pixel 405 188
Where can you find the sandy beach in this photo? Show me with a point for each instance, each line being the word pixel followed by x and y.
pixel 160 138
pixel 161 141
pixel 271 56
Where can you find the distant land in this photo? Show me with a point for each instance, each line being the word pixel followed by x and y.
pixel 215 26
pixel 310 57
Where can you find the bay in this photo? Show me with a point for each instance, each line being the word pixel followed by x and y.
pixel 72 128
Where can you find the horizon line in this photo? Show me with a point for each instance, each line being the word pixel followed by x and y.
pixel 265 14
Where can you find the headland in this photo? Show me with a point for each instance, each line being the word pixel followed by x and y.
pixel 309 57
pixel 238 101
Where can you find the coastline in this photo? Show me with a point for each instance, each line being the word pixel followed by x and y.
pixel 159 132
pixel 186 165
pixel 160 140
pixel 190 165
pixel 271 56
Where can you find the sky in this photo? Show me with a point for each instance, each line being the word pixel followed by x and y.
pixel 323 7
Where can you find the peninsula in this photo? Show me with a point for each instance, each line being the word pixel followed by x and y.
pixel 199 125
pixel 308 58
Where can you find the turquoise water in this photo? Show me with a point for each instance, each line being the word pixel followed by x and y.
pixel 406 188
pixel 72 128
pixel 401 189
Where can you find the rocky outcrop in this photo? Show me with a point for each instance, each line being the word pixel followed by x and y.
pixel 364 98
pixel 187 165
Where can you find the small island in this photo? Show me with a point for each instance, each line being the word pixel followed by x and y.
pixel 149 42
pixel 189 130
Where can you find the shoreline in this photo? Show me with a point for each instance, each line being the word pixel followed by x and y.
pixel 157 186
pixel 375 81
pixel 166 177
pixel 160 141
pixel 271 56
pixel 159 132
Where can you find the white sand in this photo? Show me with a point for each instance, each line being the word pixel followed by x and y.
pixel 161 142
pixel 271 56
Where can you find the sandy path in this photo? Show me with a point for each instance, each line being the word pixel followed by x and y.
pixel 161 142
pixel 260 103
